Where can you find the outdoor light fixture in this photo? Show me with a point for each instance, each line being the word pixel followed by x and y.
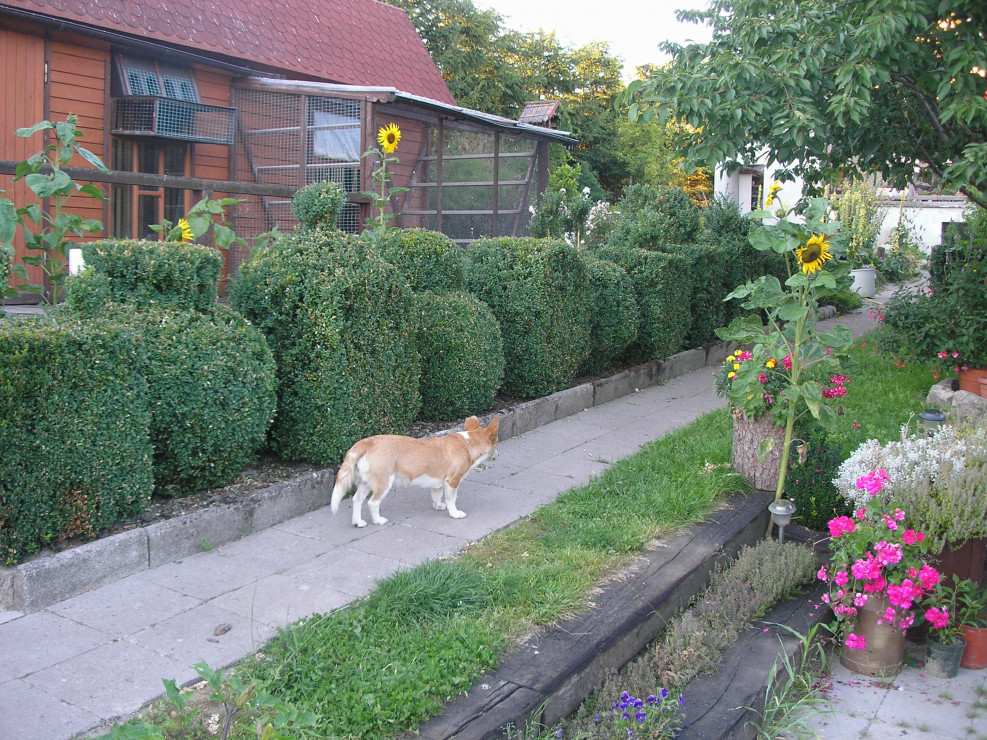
pixel 781 514
pixel 931 419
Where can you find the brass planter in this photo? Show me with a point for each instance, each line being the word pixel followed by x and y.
pixel 885 651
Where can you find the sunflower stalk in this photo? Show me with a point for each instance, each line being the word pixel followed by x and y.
pixel 388 137
pixel 789 349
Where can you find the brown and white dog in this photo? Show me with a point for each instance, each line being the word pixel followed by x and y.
pixel 440 463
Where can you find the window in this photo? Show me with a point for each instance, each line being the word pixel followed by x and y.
pixel 142 76
pixel 135 208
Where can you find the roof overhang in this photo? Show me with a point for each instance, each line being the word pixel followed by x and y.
pixel 390 95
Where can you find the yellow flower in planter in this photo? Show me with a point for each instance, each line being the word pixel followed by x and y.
pixel 389 137
pixel 814 254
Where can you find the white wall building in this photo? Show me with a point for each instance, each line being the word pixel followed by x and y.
pixel 926 215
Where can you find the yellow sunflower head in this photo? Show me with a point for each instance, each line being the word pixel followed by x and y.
pixel 814 254
pixel 772 192
pixel 186 235
pixel 388 137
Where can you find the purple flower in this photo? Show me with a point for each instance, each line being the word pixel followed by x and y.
pixel 641 716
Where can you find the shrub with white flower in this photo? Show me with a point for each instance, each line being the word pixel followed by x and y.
pixel 941 480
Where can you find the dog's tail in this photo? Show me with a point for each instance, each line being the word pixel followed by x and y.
pixel 344 478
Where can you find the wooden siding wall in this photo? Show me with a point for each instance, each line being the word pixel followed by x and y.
pixel 23 105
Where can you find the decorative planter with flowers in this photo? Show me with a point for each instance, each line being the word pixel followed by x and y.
pixel 946 644
pixel 941 481
pixel 877 578
pixel 786 366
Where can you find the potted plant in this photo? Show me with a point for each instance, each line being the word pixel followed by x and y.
pixel 945 646
pixel 877 578
pixel 971 615
pixel 786 366
pixel 941 480
pixel 950 320
pixel 861 216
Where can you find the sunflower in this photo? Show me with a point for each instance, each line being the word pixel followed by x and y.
pixel 814 254
pixel 388 137
pixel 775 189
pixel 186 235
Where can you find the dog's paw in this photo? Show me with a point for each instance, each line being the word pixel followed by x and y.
pixel 380 520
pixel 457 514
pixel 359 523
pixel 439 505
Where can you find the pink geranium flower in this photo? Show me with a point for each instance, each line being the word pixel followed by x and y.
pixel 856 642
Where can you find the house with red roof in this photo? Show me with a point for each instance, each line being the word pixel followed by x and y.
pixel 254 99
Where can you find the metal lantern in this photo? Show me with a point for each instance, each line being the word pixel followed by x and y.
pixel 781 514
pixel 931 419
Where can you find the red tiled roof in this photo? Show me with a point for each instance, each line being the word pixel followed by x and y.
pixel 355 42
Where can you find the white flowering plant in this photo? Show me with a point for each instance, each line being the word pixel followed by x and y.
pixel 941 480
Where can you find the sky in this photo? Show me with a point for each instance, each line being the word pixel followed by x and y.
pixel 633 27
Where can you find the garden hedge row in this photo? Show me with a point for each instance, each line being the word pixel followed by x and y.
pixel 339 322
pixel 75 455
pixel 211 392
pixel 462 355
pixel 614 314
pixel 428 260
pixel 663 287
pixel 539 291
pixel 148 273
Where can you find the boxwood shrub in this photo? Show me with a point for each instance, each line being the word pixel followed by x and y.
pixel 146 273
pixel 428 260
pixel 317 206
pixel 614 315
pixel 211 392
pixel 664 299
pixel 462 355
pixel 650 216
pixel 75 456
pixel 338 319
pixel 708 266
pixel 539 291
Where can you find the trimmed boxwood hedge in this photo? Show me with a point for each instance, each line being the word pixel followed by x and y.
pixel 650 216
pixel 74 455
pixel 339 321
pixel 462 355
pixel 317 206
pixel 664 298
pixel 539 291
pixel 428 260
pixel 211 392
pixel 146 273
pixel 614 316
pixel 708 266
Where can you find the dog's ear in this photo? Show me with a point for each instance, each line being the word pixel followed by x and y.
pixel 492 427
pixel 471 423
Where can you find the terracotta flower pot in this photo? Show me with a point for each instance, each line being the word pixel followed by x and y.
pixel 970 380
pixel 975 654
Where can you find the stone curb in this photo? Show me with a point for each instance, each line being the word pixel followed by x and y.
pixel 551 673
pixel 48 578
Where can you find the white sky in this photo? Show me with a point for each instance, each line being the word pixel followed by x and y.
pixel 633 27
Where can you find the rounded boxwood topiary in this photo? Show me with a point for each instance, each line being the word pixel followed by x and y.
pixel 75 456
pixel 539 291
pixel 614 316
pixel 428 260
pixel 651 216
pixel 146 273
pixel 462 355
pixel 338 319
pixel 664 299
pixel 317 206
pixel 211 392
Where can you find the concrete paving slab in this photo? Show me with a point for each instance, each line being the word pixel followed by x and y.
pixel 29 713
pixel 408 545
pixel 539 482
pixel 191 637
pixel 279 600
pixel 209 574
pixel 347 571
pixel 125 607
pixel 41 639
pixel 84 682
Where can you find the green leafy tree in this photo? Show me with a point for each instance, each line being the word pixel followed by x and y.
pixel 886 85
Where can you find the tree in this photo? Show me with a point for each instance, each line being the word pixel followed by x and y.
pixel 894 86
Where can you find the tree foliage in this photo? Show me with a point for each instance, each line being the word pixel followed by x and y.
pixel 885 85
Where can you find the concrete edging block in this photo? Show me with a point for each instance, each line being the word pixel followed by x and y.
pixel 682 363
pixel 41 582
pixel 283 501
pixel 174 539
